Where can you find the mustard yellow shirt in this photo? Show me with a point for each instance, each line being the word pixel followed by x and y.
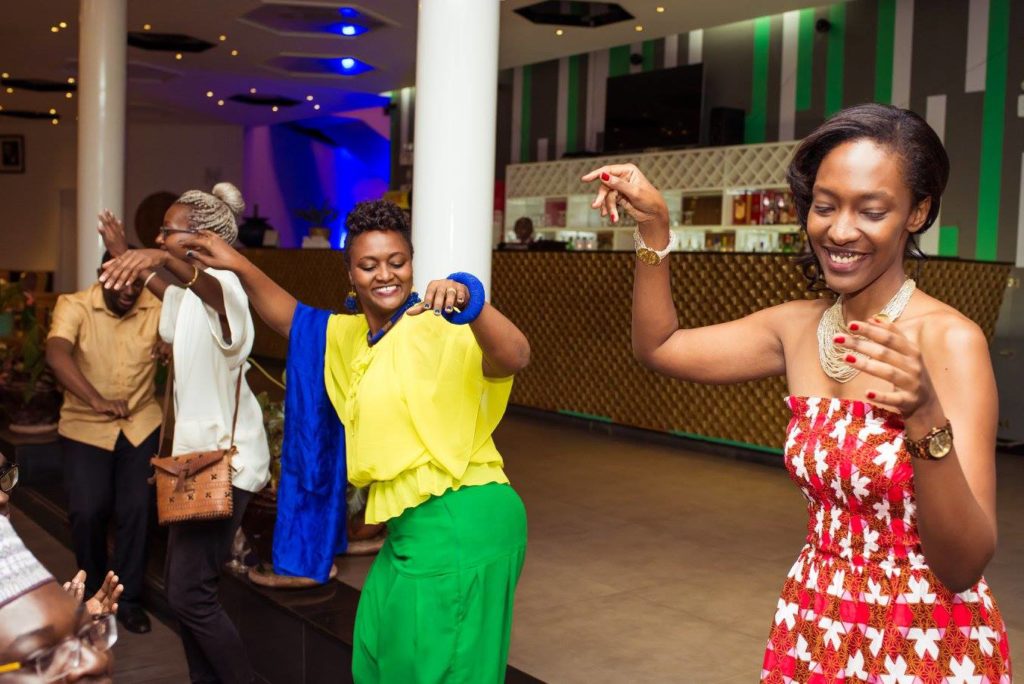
pixel 417 410
pixel 114 353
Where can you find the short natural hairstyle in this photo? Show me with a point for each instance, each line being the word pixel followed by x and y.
pixel 376 215
pixel 924 162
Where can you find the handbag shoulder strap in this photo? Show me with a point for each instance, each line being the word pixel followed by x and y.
pixel 238 395
pixel 167 402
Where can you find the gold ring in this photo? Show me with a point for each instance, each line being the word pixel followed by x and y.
pixel 883 317
pixel 451 289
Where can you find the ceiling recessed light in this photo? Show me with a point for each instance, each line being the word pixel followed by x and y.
pixel 252 91
pixel 234 53
pixel 347 62
pixel 223 37
pixel 660 9
pixel 177 56
pixel 220 103
pixel 5 75
pixel 55 121
pixel 52 111
pixel 309 98
pixel 638 27
pixel 71 80
pixel 348 30
pixel 274 108
pixel 10 90
pixel 68 95
pixel 54 29
pixel 146 27
pixel 316 106
pixel 63 24
pixel 559 32
pixel 209 93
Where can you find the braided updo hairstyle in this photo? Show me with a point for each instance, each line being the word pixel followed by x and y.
pixel 216 211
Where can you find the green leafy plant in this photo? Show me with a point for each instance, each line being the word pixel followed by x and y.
pixel 273 423
pixel 318 216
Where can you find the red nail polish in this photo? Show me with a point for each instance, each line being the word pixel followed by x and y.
pixel 854 326
pixel 839 339
pixel 850 358
pixel 605 176
pixel 871 395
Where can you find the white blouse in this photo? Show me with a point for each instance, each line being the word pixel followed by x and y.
pixel 205 372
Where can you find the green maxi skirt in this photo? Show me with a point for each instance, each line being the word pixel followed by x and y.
pixel 437 604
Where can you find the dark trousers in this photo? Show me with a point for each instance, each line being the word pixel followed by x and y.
pixel 196 552
pixel 102 483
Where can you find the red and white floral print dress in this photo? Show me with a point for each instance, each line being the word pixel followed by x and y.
pixel 861 604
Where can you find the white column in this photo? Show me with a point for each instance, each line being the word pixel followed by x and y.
pixel 101 115
pixel 453 168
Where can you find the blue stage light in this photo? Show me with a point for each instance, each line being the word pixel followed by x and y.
pixel 348 30
pixel 348 12
pixel 347 63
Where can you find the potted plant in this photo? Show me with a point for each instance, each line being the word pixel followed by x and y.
pixel 29 396
pixel 319 220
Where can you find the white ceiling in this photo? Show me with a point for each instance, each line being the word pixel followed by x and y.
pixel 167 89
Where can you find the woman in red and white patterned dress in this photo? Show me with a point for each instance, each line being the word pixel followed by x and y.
pixel 893 398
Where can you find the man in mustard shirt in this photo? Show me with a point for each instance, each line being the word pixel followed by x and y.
pixel 102 347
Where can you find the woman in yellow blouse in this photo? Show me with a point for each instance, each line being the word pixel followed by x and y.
pixel 419 397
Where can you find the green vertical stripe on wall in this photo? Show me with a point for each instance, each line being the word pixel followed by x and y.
pixel 993 120
pixel 525 142
pixel 805 60
pixel 834 59
pixel 949 241
pixel 884 37
pixel 757 119
pixel 618 60
pixel 648 55
pixel 573 108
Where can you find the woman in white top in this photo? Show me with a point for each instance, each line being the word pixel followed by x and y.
pixel 207 321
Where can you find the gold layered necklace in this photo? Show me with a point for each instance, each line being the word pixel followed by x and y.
pixel 833 323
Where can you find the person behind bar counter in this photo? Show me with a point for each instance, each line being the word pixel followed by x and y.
pixel 893 402
pixel 419 397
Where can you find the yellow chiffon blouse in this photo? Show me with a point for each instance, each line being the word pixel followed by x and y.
pixel 417 410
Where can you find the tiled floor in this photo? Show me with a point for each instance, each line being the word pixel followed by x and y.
pixel 647 563
pixel 651 564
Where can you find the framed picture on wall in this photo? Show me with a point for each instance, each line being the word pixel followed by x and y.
pixel 12 153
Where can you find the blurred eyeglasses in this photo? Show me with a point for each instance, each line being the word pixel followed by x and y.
pixel 165 231
pixel 56 663
pixel 8 477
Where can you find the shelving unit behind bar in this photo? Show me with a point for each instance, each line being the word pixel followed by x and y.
pixel 716 172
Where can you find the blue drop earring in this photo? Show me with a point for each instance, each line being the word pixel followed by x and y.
pixel 351 302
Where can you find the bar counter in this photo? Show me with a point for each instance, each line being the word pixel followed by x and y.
pixel 575 309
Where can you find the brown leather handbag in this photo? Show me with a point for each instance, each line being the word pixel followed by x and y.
pixel 194 486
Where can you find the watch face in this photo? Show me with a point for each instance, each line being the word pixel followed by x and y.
pixel 940 444
pixel 647 256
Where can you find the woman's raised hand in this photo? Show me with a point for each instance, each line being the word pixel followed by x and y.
pixel 211 250
pixel 112 231
pixel 442 295
pixel 130 266
pixel 624 185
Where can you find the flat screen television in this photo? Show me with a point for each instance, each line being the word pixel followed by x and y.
pixel 660 108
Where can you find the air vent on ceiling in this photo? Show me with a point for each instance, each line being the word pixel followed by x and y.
pixel 28 114
pixel 167 42
pixel 264 100
pixel 574 13
pixel 39 85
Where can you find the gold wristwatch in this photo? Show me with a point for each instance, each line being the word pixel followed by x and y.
pixel 933 446
pixel 650 256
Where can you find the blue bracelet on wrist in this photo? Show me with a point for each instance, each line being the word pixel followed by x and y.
pixel 477 299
